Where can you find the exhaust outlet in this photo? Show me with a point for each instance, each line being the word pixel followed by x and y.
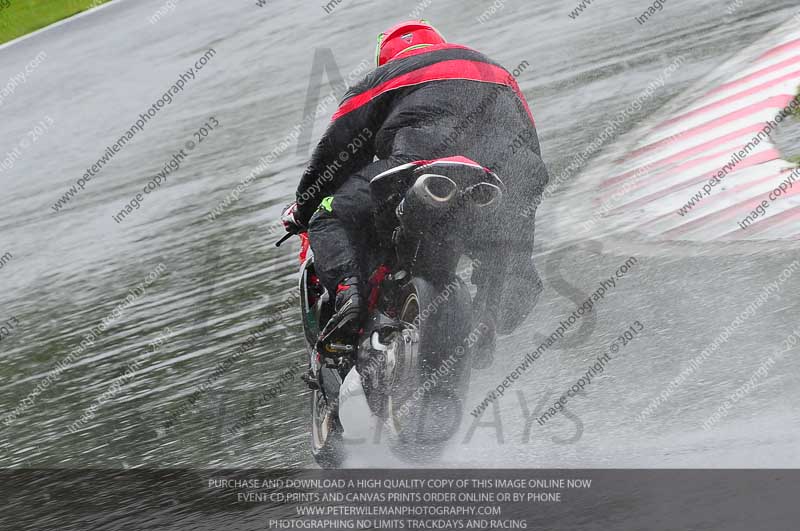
pixel 484 195
pixel 434 190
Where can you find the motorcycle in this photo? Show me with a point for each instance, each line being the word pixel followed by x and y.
pixel 413 355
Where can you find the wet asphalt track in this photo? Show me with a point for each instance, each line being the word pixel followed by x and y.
pixel 70 269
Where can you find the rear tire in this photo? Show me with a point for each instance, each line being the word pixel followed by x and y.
pixel 424 403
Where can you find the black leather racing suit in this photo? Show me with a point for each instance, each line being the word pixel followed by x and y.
pixel 440 101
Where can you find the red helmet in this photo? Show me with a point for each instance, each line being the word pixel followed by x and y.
pixel 405 36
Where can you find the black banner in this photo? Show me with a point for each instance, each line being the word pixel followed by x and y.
pixel 608 500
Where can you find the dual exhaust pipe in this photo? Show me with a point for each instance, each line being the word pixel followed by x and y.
pixel 439 191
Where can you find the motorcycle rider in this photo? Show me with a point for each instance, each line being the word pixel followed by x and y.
pixel 427 99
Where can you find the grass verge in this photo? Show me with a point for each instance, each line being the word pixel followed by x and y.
pixel 20 17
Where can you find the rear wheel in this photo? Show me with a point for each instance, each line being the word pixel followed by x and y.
pixel 427 373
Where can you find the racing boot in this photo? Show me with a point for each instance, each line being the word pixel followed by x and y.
pixel 349 307
pixel 484 320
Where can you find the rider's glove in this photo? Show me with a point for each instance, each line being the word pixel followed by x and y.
pixel 290 221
